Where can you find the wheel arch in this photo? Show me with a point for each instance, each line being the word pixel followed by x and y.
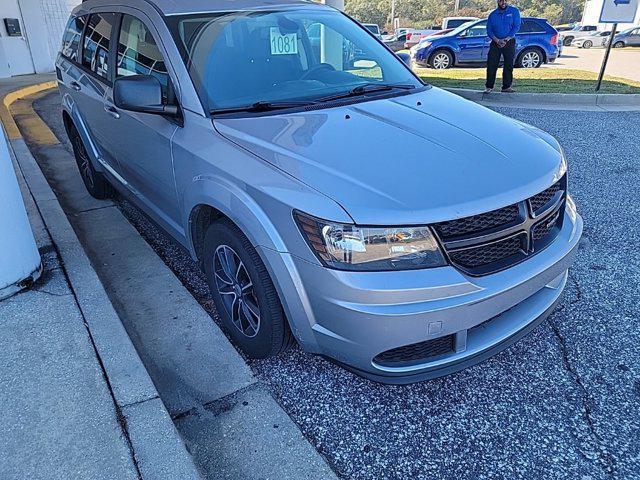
pixel 210 199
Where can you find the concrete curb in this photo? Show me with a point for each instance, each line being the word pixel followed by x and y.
pixel 158 448
pixel 565 101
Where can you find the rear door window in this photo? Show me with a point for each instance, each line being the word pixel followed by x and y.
pixel 95 52
pixel 138 53
pixel 71 37
pixel 531 26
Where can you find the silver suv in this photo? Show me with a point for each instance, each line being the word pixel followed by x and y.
pixel 330 196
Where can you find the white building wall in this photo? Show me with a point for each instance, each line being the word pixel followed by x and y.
pixel 42 23
pixel 591 16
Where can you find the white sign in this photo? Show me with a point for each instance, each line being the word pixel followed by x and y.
pixel 286 44
pixel 619 11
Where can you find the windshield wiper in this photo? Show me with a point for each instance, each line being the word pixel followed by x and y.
pixel 262 106
pixel 366 88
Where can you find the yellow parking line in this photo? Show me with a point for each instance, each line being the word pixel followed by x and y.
pixel 30 122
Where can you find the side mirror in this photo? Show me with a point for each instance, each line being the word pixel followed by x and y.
pixel 141 93
pixel 405 57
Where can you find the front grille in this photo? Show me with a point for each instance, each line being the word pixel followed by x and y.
pixel 484 221
pixel 416 352
pixel 490 242
pixel 542 228
pixel 539 201
pixel 489 253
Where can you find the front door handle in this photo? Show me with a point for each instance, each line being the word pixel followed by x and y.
pixel 111 110
pixel 76 86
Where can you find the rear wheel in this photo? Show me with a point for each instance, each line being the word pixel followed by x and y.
pixel 587 44
pixel 530 58
pixel 567 41
pixel 96 184
pixel 441 59
pixel 243 292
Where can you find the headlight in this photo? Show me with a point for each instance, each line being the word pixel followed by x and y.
pixel 424 44
pixel 350 247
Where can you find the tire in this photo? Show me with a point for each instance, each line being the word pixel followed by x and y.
pixel 618 45
pixel 587 44
pixel 95 183
pixel 441 59
pixel 567 41
pixel 246 301
pixel 529 58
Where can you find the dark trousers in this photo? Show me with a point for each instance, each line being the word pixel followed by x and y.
pixel 508 53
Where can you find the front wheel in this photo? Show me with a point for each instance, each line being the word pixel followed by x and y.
pixel 243 292
pixel 567 41
pixel 618 45
pixel 441 59
pixel 587 44
pixel 531 58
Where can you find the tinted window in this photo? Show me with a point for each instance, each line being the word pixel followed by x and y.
pixel 530 26
pixel 138 52
pixel 478 30
pixel 71 37
pixel 95 53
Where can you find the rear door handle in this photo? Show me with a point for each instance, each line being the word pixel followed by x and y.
pixel 76 86
pixel 111 110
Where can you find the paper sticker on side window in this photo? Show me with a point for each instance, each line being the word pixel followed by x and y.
pixel 286 44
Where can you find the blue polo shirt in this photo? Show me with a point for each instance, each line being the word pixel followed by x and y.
pixel 503 23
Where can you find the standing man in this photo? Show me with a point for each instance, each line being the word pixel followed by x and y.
pixel 502 26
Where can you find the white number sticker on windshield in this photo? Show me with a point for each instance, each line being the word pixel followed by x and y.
pixel 283 44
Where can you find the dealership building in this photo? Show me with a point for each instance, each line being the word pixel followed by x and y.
pixel 30 33
pixel 591 16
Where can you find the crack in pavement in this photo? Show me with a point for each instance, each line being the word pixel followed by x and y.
pixel 606 460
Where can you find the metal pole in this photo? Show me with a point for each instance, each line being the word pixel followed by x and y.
pixel 393 15
pixel 606 56
pixel 456 7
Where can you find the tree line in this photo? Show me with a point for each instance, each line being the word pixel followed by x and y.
pixel 423 14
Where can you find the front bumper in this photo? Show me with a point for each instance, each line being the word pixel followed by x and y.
pixel 352 317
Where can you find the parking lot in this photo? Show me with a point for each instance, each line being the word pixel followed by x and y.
pixel 562 403
pixel 623 62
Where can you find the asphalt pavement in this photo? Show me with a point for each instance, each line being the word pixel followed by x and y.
pixel 562 403
pixel 623 62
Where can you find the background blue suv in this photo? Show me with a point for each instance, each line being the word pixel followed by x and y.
pixel 536 43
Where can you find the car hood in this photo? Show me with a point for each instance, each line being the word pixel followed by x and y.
pixel 418 158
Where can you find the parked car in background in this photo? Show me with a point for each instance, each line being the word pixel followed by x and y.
pixel 455 22
pixel 414 36
pixel 395 42
pixel 577 31
pixel 627 38
pixel 373 28
pixel 594 39
pixel 536 43
pixel 224 125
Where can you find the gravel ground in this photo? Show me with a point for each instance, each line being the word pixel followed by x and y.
pixel 562 403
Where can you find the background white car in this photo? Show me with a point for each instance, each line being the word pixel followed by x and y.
pixel 595 39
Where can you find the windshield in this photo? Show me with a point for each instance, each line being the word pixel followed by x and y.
pixel 236 59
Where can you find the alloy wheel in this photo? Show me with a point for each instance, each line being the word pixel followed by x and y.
pixel 441 61
pixel 530 59
pixel 236 291
pixel 83 161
